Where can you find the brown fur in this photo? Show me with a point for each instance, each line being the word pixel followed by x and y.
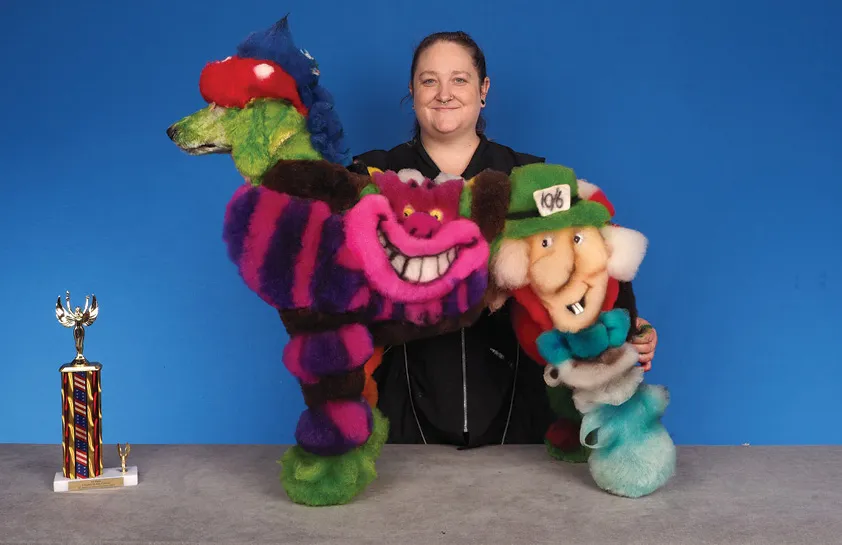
pixel 383 333
pixel 389 333
pixel 320 180
pixel 490 195
pixel 342 386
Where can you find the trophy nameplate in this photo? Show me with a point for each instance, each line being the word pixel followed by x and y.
pixel 82 413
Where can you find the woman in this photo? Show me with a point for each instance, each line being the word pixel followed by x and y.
pixel 475 386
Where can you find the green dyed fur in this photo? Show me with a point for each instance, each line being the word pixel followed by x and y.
pixel 257 136
pixel 578 456
pixel 561 403
pixel 333 480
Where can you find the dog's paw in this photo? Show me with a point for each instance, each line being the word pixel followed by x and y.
pixel 313 480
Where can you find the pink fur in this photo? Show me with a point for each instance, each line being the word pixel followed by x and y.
pixel 361 237
pixel 292 361
pixel 462 297
pixel 346 258
pixel 261 229
pixel 424 313
pixel 360 299
pixel 350 418
pixel 410 188
pixel 357 341
pixel 307 258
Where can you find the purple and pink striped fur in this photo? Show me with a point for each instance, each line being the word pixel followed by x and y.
pixel 380 261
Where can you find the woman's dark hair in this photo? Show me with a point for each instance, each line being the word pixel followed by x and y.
pixel 465 41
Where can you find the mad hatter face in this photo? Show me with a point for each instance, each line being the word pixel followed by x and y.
pixel 568 270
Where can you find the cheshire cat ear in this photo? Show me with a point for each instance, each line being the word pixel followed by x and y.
pixel 626 249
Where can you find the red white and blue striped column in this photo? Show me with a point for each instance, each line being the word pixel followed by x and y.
pixel 81 421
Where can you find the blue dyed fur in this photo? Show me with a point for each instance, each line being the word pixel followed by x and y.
pixel 276 44
pixel 610 330
pixel 632 454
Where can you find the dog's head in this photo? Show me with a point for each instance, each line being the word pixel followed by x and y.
pixel 265 105
pixel 257 136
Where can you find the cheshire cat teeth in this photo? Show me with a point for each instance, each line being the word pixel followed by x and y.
pixel 420 268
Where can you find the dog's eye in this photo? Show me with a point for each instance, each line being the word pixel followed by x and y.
pixel 547 242
pixel 578 238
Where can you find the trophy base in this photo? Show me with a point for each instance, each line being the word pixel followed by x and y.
pixel 112 477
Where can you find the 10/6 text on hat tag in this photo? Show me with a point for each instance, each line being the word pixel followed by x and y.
pixel 551 200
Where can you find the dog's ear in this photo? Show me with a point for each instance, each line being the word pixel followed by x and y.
pixel 626 249
pixel 485 200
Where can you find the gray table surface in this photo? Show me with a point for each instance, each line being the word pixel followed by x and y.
pixel 428 494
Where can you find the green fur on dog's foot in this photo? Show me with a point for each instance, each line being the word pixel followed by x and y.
pixel 577 456
pixel 314 480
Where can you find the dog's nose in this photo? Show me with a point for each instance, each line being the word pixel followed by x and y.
pixel 172 131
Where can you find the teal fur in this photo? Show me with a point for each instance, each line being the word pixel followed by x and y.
pixel 632 454
pixel 610 330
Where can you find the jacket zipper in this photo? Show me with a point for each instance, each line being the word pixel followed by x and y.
pixel 464 387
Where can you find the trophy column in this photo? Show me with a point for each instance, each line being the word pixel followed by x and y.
pixel 81 414
pixel 81 420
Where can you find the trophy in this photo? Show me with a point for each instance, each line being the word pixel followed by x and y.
pixel 81 416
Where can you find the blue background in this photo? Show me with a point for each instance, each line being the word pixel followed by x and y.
pixel 714 127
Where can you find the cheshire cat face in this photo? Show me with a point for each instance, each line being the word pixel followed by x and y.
pixel 298 254
pixel 410 240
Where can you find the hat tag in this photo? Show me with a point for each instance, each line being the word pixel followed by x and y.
pixel 551 200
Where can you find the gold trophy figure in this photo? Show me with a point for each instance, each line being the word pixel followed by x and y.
pixel 78 319
pixel 81 417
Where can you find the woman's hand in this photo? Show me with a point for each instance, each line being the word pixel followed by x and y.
pixel 645 343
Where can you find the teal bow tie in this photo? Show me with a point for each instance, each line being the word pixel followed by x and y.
pixel 610 330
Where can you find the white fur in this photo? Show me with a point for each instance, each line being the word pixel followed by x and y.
pixel 407 175
pixel 591 376
pixel 444 177
pixel 615 392
pixel 626 248
pixel 586 189
pixel 548 378
pixel 263 71
pixel 511 264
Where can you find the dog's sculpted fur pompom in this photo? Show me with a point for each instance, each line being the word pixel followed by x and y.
pixel 632 454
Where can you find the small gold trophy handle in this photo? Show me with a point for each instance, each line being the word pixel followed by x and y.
pixel 123 455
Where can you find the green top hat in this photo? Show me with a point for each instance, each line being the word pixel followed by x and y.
pixel 545 197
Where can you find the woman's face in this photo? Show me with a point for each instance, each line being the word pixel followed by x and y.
pixel 446 90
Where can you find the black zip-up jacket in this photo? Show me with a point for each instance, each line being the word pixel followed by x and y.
pixel 474 386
